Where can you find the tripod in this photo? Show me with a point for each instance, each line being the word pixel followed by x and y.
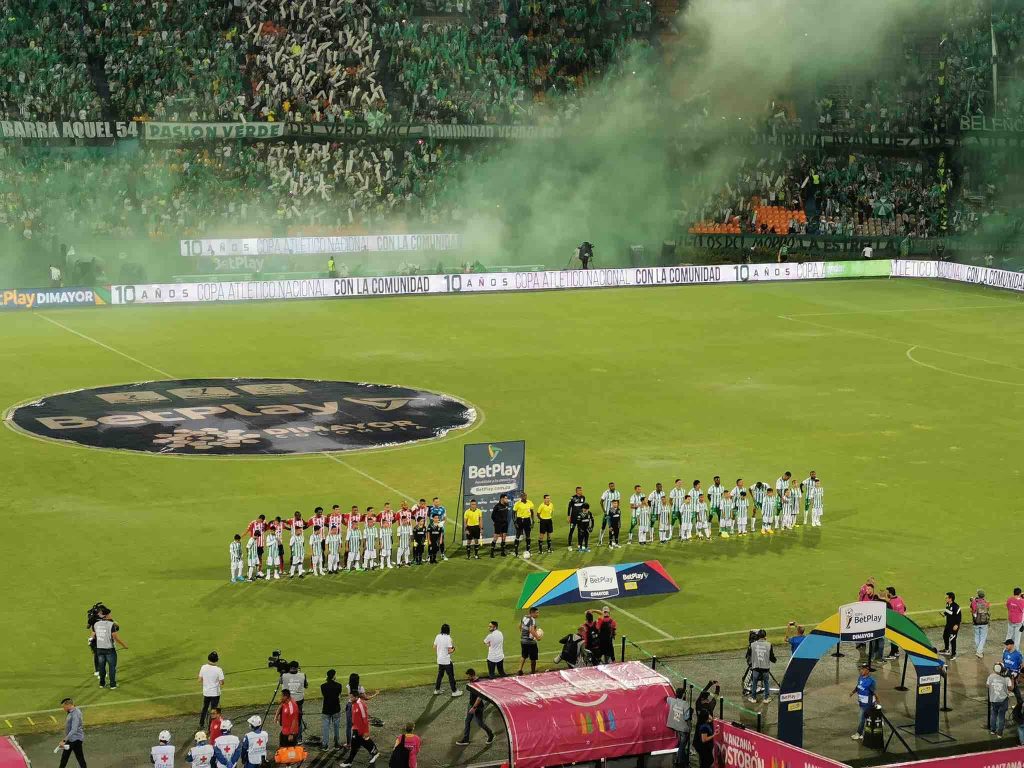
pixel 302 714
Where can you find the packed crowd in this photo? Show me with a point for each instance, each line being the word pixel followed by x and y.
pixel 835 194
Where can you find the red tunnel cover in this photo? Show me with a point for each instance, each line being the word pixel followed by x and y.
pixel 583 715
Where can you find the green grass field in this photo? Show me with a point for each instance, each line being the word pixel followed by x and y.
pixel 903 395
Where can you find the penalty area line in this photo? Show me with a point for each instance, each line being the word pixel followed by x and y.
pixel 99 343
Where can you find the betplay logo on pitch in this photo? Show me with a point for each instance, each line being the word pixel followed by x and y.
pixel 597 582
pixel 862 621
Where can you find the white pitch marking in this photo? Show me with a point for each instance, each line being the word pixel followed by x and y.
pixel 368 476
pixel 998 305
pixel 866 335
pixel 913 359
pixel 99 343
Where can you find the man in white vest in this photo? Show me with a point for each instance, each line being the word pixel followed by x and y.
pixel 226 746
pixel 201 755
pixel 162 754
pixel 254 744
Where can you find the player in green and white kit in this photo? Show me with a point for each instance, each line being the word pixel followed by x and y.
pixel 271 550
pixel 768 503
pixel 252 550
pixel 789 509
pixel 677 496
pixel 355 549
pixel 235 553
pixel 636 503
pixel 404 540
pixel 798 501
pixel 645 518
pixel 660 512
pixel 316 551
pixel 607 498
pixel 742 512
pixel 333 551
pixel 686 518
pixel 725 521
pixel 806 486
pixel 372 535
pixel 817 496
pixel 700 509
pixel 298 551
pixel 715 493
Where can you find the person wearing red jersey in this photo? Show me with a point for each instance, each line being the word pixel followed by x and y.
pixel 296 525
pixel 421 512
pixel 360 731
pixel 336 518
pixel 288 717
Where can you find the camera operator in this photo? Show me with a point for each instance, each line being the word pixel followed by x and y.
pixel 104 635
pixel 706 701
pixel 91 617
pixel 296 683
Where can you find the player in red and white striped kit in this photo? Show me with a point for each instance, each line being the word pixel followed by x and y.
pixel 421 511
pixel 336 519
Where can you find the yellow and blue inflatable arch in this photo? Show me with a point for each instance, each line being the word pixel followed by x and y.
pixel 900 630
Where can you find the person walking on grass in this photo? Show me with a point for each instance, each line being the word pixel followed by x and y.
pixel 444 648
pixel 360 732
pixel 980 617
pixel 495 642
pixel 475 711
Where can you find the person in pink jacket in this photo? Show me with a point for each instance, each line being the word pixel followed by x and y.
pixel 896 604
pixel 1014 615
pixel 412 744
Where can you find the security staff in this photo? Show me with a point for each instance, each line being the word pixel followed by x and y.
pixel 332 270
pixel 499 517
pixel 105 634
pixel 573 513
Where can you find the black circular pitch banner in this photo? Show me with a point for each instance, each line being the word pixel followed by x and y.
pixel 234 417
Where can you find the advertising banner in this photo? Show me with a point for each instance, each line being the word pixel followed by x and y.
pixel 155 131
pixel 742 748
pixel 599 582
pixel 583 715
pixel 488 471
pixel 997 758
pixel 862 621
pixel 49 298
pixel 490 282
pixel 315 245
pixel 994 278
pixel 67 129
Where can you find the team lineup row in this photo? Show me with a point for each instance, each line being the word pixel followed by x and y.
pixel 356 541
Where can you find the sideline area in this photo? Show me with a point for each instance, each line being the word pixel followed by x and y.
pixel 830 718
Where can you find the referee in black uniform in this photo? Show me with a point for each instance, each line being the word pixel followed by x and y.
pixel 575 505
pixel 499 517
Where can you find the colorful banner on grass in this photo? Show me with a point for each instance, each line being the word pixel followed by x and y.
pixel 598 582
pixel 998 758
pixel 742 748
pixel 584 715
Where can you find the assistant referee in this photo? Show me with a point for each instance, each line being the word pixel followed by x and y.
pixel 471 520
pixel 523 510
pixel 545 512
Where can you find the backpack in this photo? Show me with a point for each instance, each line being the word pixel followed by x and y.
pixel 400 756
pixel 981 612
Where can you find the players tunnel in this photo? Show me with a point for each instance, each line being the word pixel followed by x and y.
pixel 900 630
pixel 613 711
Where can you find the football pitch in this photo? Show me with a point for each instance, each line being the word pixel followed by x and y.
pixel 904 396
